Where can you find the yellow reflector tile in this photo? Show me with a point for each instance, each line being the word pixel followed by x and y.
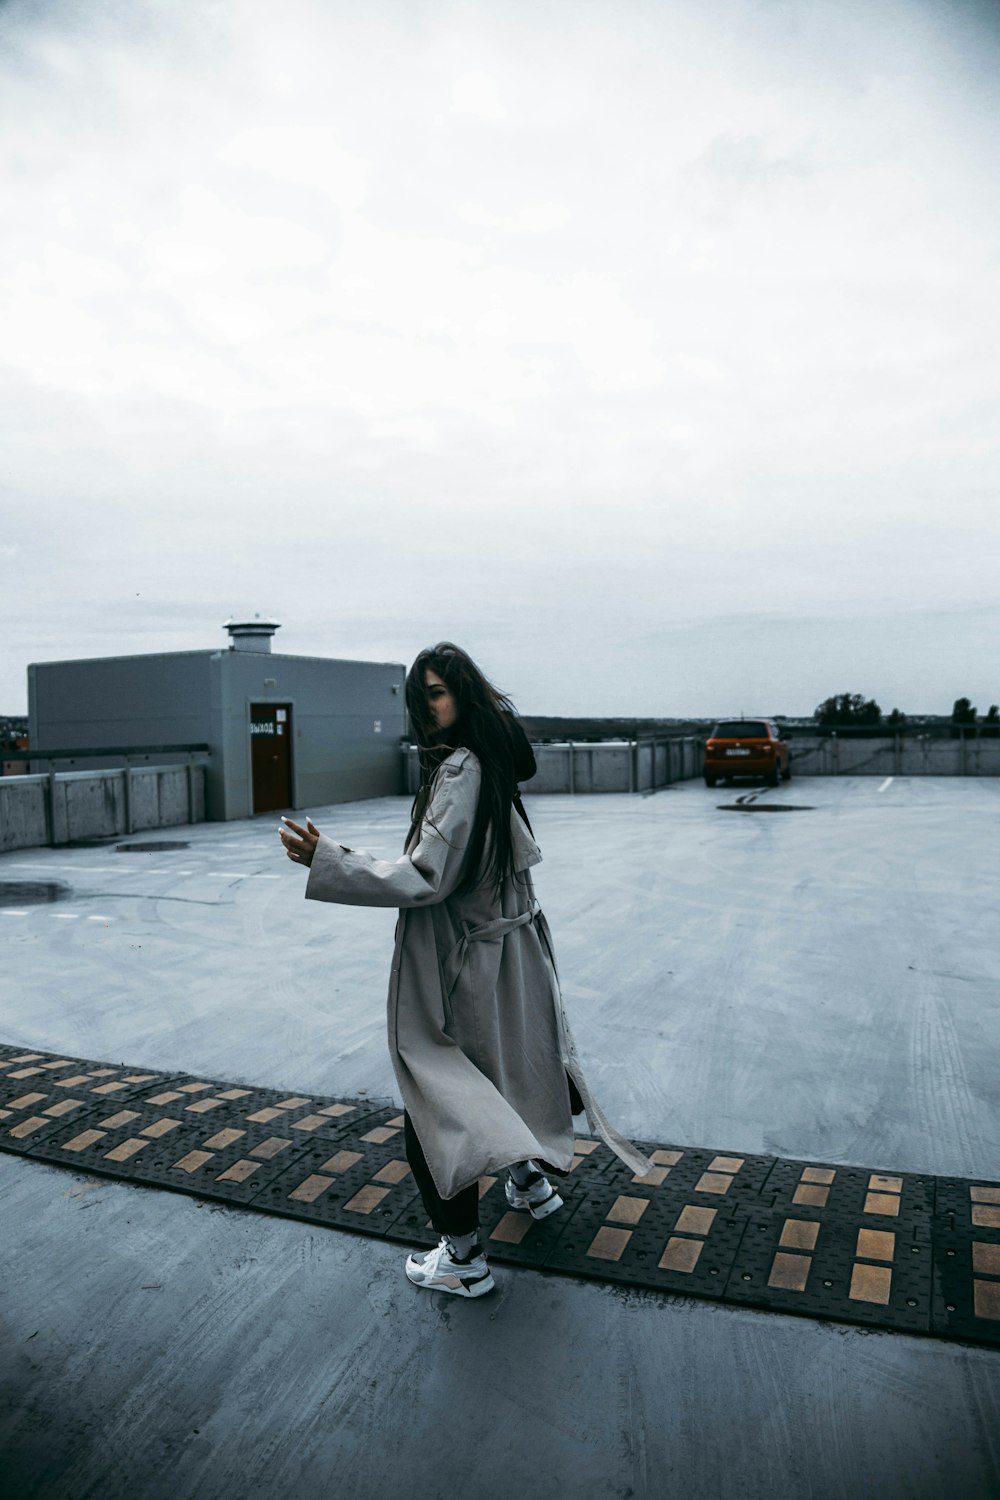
pixel 101 1072
pixel 810 1196
pixel 363 1202
pixel 790 1272
pixel 310 1190
pixel 4 1113
pixel 308 1122
pixel 193 1088
pixel 876 1244
pixel 270 1147
pixel 713 1182
pixel 342 1162
pixel 64 1062
pixel 160 1128
pixel 25 1057
pixel 609 1244
pixel 880 1184
pixel 986 1299
pixel 818 1174
pixel 123 1117
pixel 28 1127
pixel 167 1098
pixel 393 1171
pixel 85 1139
pixel 202 1106
pixel 223 1138
pixel 726 1163
pixel 109 1088
pixel 76 1082
pixel 234 1093
pixel 125 1149
pixel 626 1210
pixel 238 1172
pixel 334 1111
pixel 985 1194
pixel 870 1284
pixel 24 1073
pixel 380 1135
pixel 485 1183
pixel 584 1147
pixel 656 1178
pixel 986 1218
pixel 400 1121
pixel 577 1160
pixel 141 1077
pixel 799 1234
pixel 882 1203
pixel 296 1102
pixel 27 1100
pixel 265 1116
pixel 63 1107
pixel 660 1158
pixel 681 1255
pixel 986 1258
pixel 693 1219
pixel 512 1228
pixel 193 1160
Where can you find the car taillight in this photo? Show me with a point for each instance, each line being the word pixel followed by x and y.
pixel 767 749
pixel 710 745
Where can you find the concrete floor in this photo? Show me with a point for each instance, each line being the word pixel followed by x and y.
pixel 821 984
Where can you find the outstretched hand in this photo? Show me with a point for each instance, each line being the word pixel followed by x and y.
pixel 302 849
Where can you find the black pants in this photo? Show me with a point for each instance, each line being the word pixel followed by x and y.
pixel 458 1215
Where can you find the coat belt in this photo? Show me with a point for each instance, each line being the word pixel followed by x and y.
pixel 489 932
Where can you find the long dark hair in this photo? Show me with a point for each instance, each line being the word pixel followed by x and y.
pixel 484 725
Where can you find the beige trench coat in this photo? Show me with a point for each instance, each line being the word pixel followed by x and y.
pixel 478 1034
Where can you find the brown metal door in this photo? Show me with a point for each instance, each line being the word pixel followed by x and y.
pixel 271 756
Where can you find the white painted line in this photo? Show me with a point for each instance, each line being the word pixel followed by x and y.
pixel 100 919
pixel 66 916
pixel 8 913
pixel 887 782
pixel 229 874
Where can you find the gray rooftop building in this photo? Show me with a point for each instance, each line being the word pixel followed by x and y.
pixel 280 731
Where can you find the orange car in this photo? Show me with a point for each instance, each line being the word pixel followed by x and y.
pixel 747 747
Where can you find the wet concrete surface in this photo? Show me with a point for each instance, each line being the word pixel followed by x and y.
pixel 820 985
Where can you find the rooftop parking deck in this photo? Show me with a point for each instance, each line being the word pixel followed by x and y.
pixel 819 986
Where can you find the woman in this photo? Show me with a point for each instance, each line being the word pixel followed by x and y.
pixel 483 1054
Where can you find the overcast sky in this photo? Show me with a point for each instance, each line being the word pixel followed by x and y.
pixel 649 350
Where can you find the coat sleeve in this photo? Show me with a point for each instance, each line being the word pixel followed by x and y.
pixel 428 873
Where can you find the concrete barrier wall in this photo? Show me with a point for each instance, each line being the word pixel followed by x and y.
pixel 69 805
pixel 816 755
pixel 608 766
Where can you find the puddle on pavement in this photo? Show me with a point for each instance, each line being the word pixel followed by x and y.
pixel 32 892
pixel 155 846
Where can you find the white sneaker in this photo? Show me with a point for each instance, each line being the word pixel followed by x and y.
pixel 439 1271
pixel 539 1197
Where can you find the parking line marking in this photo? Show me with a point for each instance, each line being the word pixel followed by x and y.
pixel 887 782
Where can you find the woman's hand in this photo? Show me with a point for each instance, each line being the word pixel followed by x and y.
pixel 302 849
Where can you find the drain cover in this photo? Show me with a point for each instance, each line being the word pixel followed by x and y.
pixel 158 846
pixel 31 892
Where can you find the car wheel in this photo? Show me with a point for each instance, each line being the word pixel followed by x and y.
pixel 773 777
pixel 709 780
pixel 787 773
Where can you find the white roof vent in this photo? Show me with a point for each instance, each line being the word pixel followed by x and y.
pixel 251 635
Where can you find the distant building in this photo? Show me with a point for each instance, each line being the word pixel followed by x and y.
pixel 281 731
